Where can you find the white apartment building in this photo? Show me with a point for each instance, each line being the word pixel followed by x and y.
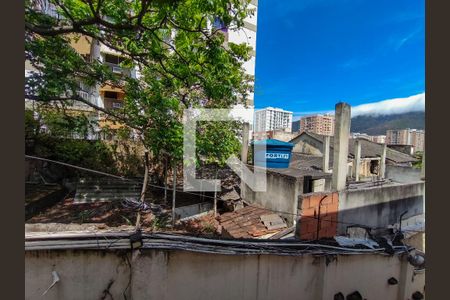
pixel 272 119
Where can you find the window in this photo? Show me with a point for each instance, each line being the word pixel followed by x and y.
pixel 117 104
pixel 111 95
pixel 113 59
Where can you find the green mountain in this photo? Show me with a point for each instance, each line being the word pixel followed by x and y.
pixel 377 125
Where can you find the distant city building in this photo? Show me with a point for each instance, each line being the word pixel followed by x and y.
pixel 296 126
pixel 281 135
pixel 319 124
pixel 270 118
pixel 413 137
pixel 418 139
pixel 357 135
pixel 380 139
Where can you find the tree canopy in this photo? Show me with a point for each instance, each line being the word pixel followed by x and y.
pixel 182 61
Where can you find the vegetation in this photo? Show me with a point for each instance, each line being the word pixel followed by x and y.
pixel 51 135
pixel 419 156
pixel 183 63
pixel 377 125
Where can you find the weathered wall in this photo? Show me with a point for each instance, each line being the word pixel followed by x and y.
pixel 307 145
pixel 158 274
pixel 380 206
pixel 281 195
pixel 193 209
pixel 402 174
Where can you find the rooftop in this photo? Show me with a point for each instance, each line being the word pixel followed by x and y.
pixel 369 149
pixel 251 222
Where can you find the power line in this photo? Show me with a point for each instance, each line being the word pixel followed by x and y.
pixel 202 195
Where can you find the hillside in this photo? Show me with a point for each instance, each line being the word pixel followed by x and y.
pixel 377 125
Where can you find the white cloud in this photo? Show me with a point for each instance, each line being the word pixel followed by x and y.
pixel 391 106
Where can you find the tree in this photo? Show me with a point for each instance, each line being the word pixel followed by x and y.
pixel 184 63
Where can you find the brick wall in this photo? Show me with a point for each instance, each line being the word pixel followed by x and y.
pixel 309 215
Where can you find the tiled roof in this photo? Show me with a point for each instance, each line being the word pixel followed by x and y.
pixel 250 222
pixel 299 160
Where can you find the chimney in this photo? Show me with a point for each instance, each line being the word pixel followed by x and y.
pixel 340 150
pixel 357 160
pixel 383 162
pixel 326 154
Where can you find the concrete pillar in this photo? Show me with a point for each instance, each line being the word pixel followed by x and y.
pixel 340 151
pixel 383 162
pixel 326 154
pixel 357 160
pixel 422 170
pixel 244 150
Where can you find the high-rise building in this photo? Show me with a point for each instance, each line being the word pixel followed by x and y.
pixel 413 137
pixel 272 119
pixel 112 97
pixel 380 139
pixel 418 139
pixel 296 126
pixel 319 124
pixel 357 135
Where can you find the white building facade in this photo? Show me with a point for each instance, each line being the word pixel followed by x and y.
pixel 273 119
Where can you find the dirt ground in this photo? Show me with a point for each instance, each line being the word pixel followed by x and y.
pixel 109 215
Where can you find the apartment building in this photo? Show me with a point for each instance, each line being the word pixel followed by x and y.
pixel 357 135
pixel 270 118
pixel 319 124
pixel 247 35
pixel 413 137
pixel 296 126
pixel 380 139
pixel 112 97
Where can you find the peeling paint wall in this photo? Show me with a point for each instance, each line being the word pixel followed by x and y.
pixel 159 274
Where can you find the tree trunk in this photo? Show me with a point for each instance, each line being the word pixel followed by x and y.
pixel 144 189
pixel 165 181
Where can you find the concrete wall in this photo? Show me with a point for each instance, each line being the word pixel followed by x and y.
pixel 193 209
pixel 160 274
pixel 402 174
pixel 281 195
pixel 380 206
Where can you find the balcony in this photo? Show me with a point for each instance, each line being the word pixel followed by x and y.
pixel 116 69
pixel 112 103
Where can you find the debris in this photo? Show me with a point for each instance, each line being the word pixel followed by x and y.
pixel 351 242
pixel 135 205
pixel 273 221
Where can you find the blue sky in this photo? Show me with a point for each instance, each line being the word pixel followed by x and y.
pixel 312 54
